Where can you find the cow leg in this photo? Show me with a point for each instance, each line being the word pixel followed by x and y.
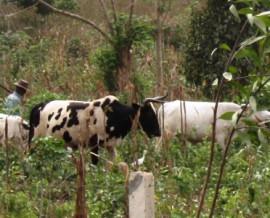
pixel 94 154
pixel 93 144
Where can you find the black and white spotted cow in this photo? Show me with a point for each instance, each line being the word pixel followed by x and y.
pixel 103 122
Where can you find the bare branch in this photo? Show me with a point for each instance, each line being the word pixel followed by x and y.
pixel 167 13
pixel 77 17
pixel 106 14
pixel 222 167
pixel 132 6
pixel 210 163
pixel 114 10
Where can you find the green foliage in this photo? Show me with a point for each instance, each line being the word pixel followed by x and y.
pixel 209 28
pixel 106 191
pixel 109 59
pixel 76 49
pixel 19 205
pixel 16 45
pixel 69 5
pixel 106 60
pixel 141 32
pixel 28 3
pixel 19 49
pixel 42 96
pixel 43 183
pixel 45 158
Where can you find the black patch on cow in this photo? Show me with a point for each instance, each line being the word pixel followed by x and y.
pixel 105 103
pixel 58 127
pixel 67 137
pixel 95 121
pixel 120 117
pixel 58 113
pixel 73 108
pixel 35 118
pixel 93 142
pixel 148 121
pixel 50 116
pixel 91 112
pixel 48 126
pixel 101 142
pixel 97 104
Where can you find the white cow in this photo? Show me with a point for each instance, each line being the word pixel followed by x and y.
pixel 194 120
pixel 17 130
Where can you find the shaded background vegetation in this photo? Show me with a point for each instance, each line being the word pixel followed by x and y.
pixel 63 58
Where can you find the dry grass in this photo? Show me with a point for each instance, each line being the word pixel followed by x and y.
pixel 59 30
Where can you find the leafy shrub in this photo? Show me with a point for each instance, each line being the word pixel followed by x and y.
pixel 69 5
pixel 43 96
pixel 204 61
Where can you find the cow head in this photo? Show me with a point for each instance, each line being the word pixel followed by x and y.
pixel 260 116
pixel 148 116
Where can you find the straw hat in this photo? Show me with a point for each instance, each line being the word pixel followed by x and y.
pixel 22 84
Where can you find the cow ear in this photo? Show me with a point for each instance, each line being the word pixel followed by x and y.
pixel 136 106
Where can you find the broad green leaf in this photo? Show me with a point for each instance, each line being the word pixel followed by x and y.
pixel 259 23
pixel 234 119
pixel 234 11
pixel 244 137
pixel 225 46
pixel 250 18
pixel 265 13
pixel 248 52
pixel 248 122
pixel 252 40
pixel 215 83
pixel 226 116
pixel 253 103
pixel 227 76
pixel 233 69
pixel 261 137
pixel 254 85
pixel 245 11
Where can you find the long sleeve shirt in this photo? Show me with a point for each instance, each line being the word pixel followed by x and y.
pixel 14 104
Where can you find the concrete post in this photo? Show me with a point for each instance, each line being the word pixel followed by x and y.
pixel 141 195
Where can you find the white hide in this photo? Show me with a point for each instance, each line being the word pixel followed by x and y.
pixel 194 120
pixel 17 133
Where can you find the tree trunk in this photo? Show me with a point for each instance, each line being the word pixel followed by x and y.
pixel 80 210
pixel 159 68
pixel 124 68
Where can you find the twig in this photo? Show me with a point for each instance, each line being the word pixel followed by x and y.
pixel 105 11
pixel 78 17
pixel 132 6
pixel 222 167
pixel 212 152
pixel 7 89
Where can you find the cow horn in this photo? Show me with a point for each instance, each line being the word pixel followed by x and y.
pixel 158 99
